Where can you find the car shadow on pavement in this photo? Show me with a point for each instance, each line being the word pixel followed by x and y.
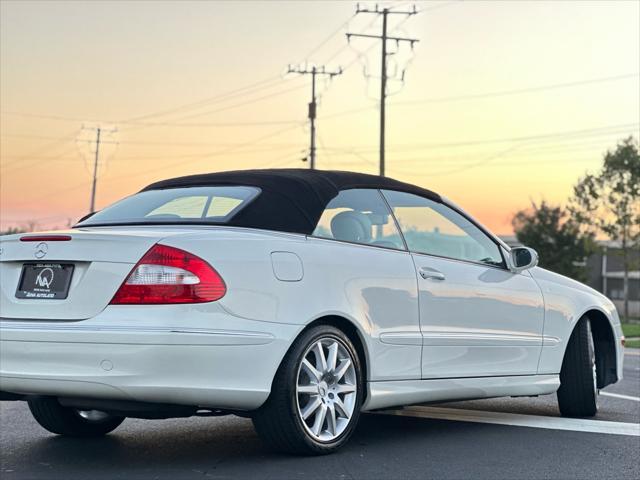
pixel 205 445
pixel 382 447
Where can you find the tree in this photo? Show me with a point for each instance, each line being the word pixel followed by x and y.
pixel 561 245
pixel 12 230
pixel 608 202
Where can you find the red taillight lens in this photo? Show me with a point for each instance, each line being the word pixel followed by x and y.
pixel 170 275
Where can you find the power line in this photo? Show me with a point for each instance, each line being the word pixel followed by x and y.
pixel 329 37
pixel 37 151
pixel 574 134
pixel 213 124
pixel 444 99
pixel 479 96
pixel 237 105
pixel 548 151
pixel 34 160
pixel 607 130
pixel 518 91
pixel 174 156
pixel 480 162
pixel 384 37
pixel 135 142
pixel 218 152
pixel 204 101
pixel 43 116
pixel 84 184
pixel 136 121
pixel 26 135
pixel 211 154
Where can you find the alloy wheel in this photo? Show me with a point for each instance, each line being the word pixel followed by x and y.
pixel 326 389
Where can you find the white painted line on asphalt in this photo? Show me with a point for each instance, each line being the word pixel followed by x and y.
pixel 519 420
pixel 619 395
pixel 632 353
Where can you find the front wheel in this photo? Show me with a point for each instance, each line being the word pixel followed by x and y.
pixel 70 421
pixel 578 392
pixel 316 395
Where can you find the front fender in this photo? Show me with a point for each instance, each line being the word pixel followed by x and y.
pixel 566 302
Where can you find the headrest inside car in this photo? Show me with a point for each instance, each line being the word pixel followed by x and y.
pixel 351 226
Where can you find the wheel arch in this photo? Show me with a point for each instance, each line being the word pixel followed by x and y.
pixel 351 330
pixel 604 340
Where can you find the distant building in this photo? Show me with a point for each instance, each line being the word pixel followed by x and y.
pixel 605 273
pixel 510 240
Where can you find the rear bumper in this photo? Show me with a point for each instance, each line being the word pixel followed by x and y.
pixel 203 362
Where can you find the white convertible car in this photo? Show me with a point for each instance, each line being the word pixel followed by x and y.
pixel 297 298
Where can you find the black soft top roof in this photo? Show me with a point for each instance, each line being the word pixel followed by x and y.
pixel 292 199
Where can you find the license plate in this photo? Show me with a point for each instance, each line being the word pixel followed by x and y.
pixel 49 281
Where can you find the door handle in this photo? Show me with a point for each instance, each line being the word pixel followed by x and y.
pixel 431 274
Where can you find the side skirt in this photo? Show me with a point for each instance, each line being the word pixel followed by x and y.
pixel 408 392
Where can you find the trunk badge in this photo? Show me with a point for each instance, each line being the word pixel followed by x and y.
pixel 41 250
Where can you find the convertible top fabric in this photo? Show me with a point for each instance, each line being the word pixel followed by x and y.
pixel 292 200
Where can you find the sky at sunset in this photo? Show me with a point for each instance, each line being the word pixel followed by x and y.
pixel 503 103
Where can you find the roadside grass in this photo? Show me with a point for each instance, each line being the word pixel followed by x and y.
pixel 632 344
pixel 631 329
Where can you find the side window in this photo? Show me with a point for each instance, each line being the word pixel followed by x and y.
pixel 435 229
pixel 359 216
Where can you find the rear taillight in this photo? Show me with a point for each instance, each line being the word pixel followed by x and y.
pixel 170 275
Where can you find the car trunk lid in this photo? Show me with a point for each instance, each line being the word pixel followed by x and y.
pixel 100 260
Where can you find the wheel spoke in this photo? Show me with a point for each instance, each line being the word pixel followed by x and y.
pixel 321 360
pixel 319 420
pixel 309 389
pixel 331 420
pixel 311 407
pixel 333 357
pixel 344 366
pixel 311 370
pixel 345 388
pixel 341 409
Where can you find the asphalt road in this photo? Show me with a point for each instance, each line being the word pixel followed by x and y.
pixel 384 446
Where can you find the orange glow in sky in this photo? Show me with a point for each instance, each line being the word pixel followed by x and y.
pixel 503 102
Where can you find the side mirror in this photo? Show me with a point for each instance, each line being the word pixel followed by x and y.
pixel 523 258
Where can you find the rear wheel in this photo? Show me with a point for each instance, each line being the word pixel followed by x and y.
pixel 316 395
pixel 70 421
pixel 578 392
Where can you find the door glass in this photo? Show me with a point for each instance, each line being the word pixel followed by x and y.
pixel 435 229
pixel 359 216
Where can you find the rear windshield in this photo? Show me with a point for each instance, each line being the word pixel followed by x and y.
pixel 176 205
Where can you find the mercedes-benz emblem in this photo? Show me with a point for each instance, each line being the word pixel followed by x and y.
pixel 41 250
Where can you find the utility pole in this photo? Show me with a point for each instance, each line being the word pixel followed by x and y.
pixel 314 71
pixel 385 12
pixel 95 172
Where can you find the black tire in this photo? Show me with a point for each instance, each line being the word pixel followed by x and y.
pixel 278 422
pixel 68 421
pixel 578 392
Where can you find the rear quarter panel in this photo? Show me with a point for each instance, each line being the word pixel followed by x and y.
pixel 373 288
